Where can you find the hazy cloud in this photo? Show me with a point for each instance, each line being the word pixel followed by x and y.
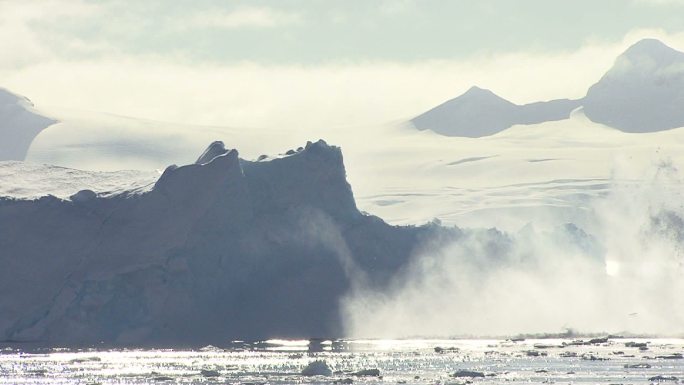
pixel 77 54
pixel 23 25
pixel 244 17
pixel 392 7
pixel 659 2
pixel 286 96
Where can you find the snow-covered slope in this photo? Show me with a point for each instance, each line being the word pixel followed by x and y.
pixel 642 92
pixel 217 250
pixel 525 173
pixel 19 124
pixel 23 180
pixel 528 173
pixel 480 112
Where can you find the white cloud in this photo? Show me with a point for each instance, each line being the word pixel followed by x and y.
pixel 41 31
pixel 294 96
pixel 167 88
pixel 22 26
pixel 245 17
pixel 659 2
pixel 393 7
pixel 288 96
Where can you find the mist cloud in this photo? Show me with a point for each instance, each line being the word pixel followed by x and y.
pixel 625 275
pixel 242 17
pixel 46 59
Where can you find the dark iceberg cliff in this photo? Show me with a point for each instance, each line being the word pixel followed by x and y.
pixel 217 250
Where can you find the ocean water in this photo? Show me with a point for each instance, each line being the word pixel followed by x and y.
pixel 548 361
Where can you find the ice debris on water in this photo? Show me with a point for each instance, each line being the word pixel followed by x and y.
pixel 317 368
pixel 637 366
pixel 367 373
pixel 639 345
pixel 344 381
pixel 209 373
pixel 468 373
pixel 673 356
pixel 210 348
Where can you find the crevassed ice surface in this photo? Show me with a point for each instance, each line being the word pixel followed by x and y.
pixel 566 361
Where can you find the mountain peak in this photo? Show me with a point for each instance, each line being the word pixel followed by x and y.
pixel 476 91
pixel 480 112
pixel 650 53
pixel 642 92
pixel 648 46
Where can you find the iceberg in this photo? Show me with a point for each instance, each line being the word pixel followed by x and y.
pixel 214 251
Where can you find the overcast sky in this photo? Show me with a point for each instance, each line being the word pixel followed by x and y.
pixel 308 62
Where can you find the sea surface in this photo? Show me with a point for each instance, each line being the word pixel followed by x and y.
pixel 538 361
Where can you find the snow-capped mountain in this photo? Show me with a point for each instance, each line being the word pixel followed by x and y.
pixel 480 112
pixel 19 125
pixel 217 250
pixel 642 92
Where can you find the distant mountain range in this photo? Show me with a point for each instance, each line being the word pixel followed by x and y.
pixel 642 92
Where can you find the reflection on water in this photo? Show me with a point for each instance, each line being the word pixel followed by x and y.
pixel 607 361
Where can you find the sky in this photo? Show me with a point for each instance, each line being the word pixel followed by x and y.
pixel 312 62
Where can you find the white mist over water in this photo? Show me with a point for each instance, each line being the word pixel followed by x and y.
pixel 624 273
